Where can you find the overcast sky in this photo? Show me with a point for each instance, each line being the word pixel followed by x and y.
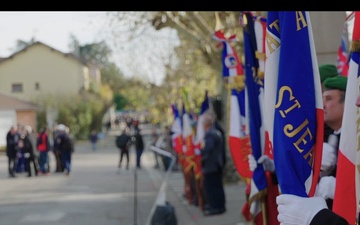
pixel 55 28
pixel 52 28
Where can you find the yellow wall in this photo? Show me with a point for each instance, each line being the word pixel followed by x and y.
pixel 55 72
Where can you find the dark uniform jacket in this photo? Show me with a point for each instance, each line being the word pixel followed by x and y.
pixel 211 153
pixel 327 217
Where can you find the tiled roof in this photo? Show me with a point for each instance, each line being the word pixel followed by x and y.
pixel 9 102
pixel 82 61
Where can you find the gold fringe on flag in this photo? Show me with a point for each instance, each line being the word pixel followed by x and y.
pixel 355 46
pixel 237 82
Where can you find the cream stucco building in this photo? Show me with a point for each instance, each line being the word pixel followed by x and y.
pixel 41 70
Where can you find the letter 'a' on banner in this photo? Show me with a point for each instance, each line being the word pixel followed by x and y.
pixel 346 198
pixel 293 101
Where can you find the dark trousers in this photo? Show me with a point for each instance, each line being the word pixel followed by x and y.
pixel 31 161
pixel 126 153
pixel 138 157
pixel 66 160
pixel 214 190
pixel 12 161
pixel 59 165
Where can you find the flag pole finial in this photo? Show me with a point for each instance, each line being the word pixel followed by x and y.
pixel 218 25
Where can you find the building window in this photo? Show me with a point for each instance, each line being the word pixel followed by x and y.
pixel 37 86
pixel 17 88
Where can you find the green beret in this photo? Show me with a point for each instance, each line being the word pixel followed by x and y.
pixel 326 71
pixel 337 82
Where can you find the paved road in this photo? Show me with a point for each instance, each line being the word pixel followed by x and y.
pixel 96 194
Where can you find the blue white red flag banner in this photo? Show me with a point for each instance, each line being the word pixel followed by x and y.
pixel 261 198
pixel 342 59
pixel 293 102
pixel 231 64
pixel 188 144
pixel 346 196
pixel 176 130
pixel 200 134
pixel 239 139
pixel 233 74
pixel 253 83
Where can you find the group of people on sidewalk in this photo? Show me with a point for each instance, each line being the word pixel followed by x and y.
pixel 28 151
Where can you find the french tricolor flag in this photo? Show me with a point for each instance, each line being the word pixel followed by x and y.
pixel 188 144
pixel 346 198
pixel 294 114
pixel 176 130
pixel 342 59
pixel 233 74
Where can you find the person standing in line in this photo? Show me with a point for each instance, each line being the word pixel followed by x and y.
pixel 12 139
pixel 55 149
pixel 139 146
pixel 326 71
pixel 66 147
pixel 26 145
pixel 123 142
pixel 43 146
pixel 334 101
pixel 211 166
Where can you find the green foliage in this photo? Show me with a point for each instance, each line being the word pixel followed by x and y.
pixel 41 119
pixel 120 101
pixel 81 113
pixel 96 52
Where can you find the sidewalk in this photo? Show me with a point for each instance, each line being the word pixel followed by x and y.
pixel 189 214
pixel 96 193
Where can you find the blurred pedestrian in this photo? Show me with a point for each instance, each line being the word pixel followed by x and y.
pixel 123 142
pixel 55 149
pixel 139 146
pixel 155 142
pixel 26 145
pixel 43 147
pixel 93 139
pixel 166 145
pixel 66 147
pixel 12 139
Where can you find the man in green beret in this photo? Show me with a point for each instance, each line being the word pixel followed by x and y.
pixel 333 99
pixel 326 71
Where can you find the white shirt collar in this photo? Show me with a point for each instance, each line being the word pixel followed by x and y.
pixel 337 131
